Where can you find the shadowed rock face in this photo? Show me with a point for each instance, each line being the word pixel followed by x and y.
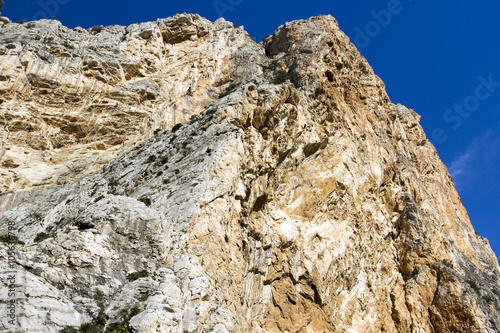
pixel 295 197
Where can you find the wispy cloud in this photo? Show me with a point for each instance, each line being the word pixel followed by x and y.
pixel 480 161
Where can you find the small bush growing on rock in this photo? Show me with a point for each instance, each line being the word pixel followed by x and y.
pixel 36 216
pixel 146 201
pixel 10 239
pixel 113 182
pixel 93 327
pixel 193 119
pixel 280 76
pixel 137 275
pixel 164 160
pixel 158 130
pixel 211 112
pixel 99 299
pixel 20 22
pixel 68 329
pixel 134 311
pixel 176 127
pixel 42 236
pixel 118 327
pixel 151 158
pixel 123 327
pixel 96 28
pixel 232 87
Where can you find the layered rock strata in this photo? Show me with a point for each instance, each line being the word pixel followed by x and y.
pixel 294 197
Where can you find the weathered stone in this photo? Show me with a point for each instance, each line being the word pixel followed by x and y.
pixel 305 202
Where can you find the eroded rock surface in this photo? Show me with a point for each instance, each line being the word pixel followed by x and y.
pixel 295 197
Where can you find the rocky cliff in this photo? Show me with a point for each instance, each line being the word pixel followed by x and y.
pixel 176 176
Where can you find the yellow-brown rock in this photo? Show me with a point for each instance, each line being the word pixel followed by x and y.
pixel 295 197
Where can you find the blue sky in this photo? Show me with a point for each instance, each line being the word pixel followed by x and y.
pixel 440 58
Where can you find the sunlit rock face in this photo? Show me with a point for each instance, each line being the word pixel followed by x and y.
pixel 295 197
pixel 72 99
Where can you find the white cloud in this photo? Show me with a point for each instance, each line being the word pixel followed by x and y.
pixel 479 162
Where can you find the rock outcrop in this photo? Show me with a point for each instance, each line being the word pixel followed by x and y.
pixel 292 196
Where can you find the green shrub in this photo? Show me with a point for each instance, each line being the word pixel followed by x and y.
pixel 305 51
pixel 164 160
pixel 99 299
pixel 210 112
pixel 36 216
pixel 10 239
pixel 123 327
pixel 42 236
pixel 134 311
pixel 137 275
pixel 113 182
pixel 176 127
pixel 158 130
pixel 118 327
pixel 151 158
pixel 96 28
pixel 193 118
pixel 159 173
pixel 280 76
pixel 232 87
pixel 69 329
pixel 93 327
pixel 146 201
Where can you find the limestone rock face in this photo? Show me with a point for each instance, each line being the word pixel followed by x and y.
pixel 295 197
pixel 71 99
